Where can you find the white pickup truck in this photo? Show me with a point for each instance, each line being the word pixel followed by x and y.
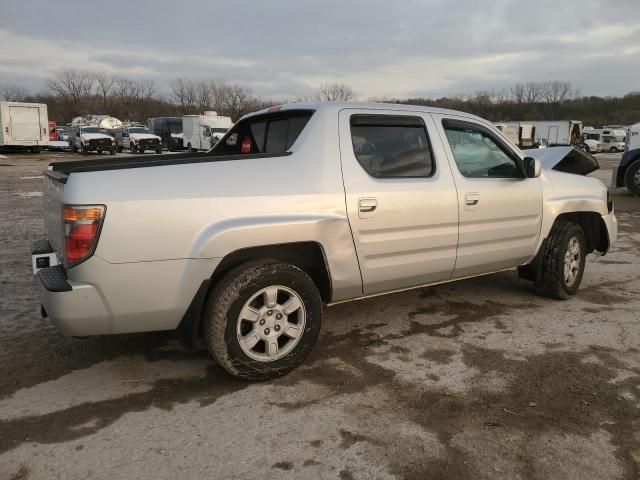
pixel 301 205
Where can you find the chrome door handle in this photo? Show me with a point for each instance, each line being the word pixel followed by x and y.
pixel 367 207
pixel 472 199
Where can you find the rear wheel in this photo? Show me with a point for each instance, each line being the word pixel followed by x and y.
pixel 613 150
pixel 158 151
pixel 262 320
pixel 563 261
pixel 632 177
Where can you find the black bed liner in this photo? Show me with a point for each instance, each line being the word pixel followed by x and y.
pixel 61 170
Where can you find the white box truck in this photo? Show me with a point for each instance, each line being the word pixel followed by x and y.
pixel 24 126
pixel 201 132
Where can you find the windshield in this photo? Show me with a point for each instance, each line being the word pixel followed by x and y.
pixel 219 130
pixel 94 130
pixel 139 130
pixel 174 127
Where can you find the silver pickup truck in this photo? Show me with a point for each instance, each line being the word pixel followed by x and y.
pixel 303 205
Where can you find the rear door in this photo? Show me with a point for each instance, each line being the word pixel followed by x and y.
pixel 401 199
pixel 25 123
pixel 500 210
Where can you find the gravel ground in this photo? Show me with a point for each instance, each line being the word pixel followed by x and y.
pixel 475 379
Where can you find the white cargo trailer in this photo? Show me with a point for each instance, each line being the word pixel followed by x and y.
pixel 555 133
pixel 201 132
pixel 521 134
pixel 24 125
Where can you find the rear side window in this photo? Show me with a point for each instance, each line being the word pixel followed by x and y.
pixel 389 146
pixel 268 133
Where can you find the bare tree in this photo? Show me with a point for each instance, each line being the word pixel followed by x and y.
pixel 556 91
pixel 237 100
pixel 13 93
pixel 104 85
pixel 518 93
pixel 335 92
pixel 532 92
pixel 71 84
pixel 184 92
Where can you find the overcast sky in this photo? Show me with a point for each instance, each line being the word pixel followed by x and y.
pixel 279 48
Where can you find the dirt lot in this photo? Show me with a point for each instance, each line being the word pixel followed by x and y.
pixel 477 379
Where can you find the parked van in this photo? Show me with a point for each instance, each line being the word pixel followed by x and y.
pixel 201 132
pixel 24 126
pixel 169 129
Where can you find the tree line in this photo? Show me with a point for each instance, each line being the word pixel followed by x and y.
pixel 70 93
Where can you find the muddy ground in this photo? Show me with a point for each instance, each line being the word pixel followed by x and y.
pixel 476 379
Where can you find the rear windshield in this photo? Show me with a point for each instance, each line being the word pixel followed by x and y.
pixel 268 133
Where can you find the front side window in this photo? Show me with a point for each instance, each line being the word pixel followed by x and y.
pixel 478 154
pixel 391 146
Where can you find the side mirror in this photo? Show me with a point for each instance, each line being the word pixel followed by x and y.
pixel 532 167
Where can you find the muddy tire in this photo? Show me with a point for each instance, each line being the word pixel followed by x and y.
pixel 262 319
pixel 563 261
pixel 119 149
pixel 632 177
pixel 84 150
pixel 112 151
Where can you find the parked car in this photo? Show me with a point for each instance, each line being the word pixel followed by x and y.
pixel 301 205
pixel 61 134
pixel 627 174
pixel 137 139
pixel 87 139
pixel 24 126
pixel 169 129
pixel 201 132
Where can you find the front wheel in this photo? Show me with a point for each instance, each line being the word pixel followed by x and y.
pixel 632 177
pixel 563 261
pixel 262 320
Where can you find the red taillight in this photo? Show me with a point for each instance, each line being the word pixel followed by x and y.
pixel 246 146
pixel 81 228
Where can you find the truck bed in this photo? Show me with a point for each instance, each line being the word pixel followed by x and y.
pixel 60 171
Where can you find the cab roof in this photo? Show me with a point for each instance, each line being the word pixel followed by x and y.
pixel 337 106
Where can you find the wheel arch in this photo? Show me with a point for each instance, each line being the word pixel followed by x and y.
pixel 309 256
pixel 593 226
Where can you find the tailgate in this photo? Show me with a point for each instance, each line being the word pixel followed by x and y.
pixel 53 192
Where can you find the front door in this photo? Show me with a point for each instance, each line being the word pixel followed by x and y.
pixel 500 209
pixel 401 199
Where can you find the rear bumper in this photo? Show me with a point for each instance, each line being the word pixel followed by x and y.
pixel 101 298
pixel 75 309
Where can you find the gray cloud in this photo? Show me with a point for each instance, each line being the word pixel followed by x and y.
pixel 288 47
